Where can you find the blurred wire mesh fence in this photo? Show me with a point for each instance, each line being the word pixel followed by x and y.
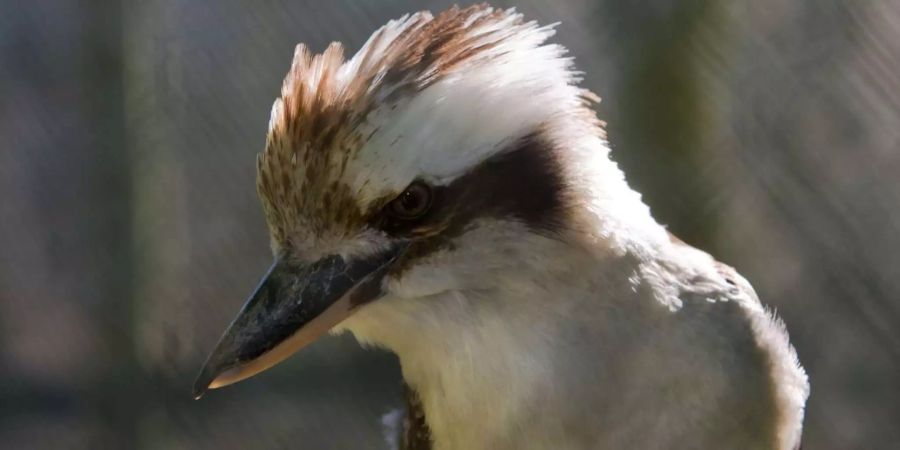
pixel 767 132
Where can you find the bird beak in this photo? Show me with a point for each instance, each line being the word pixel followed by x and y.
pixel 293 305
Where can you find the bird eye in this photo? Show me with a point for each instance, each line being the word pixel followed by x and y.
pixel 412 203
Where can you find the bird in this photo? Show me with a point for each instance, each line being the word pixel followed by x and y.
pixel 447 193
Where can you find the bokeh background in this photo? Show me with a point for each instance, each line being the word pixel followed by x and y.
pixel 765 131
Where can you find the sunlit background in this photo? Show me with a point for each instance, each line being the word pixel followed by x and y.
pixel 765 131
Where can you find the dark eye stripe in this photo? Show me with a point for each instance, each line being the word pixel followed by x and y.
pixel 523 183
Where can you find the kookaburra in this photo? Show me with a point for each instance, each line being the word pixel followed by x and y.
pixel 447 193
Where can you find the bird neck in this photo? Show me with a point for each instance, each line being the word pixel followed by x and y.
pixel 486 362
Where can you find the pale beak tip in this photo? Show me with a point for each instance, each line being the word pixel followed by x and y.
pixel 214 379
pixel 200 388
pixel 203 382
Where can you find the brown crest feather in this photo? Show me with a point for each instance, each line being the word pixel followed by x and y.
pixel 317 123
pixel 320 122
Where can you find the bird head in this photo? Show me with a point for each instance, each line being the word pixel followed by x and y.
pixel 426 163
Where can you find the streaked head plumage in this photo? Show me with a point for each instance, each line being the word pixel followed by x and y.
pixel 424 98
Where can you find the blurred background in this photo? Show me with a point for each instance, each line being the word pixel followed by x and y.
pixel 767 132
